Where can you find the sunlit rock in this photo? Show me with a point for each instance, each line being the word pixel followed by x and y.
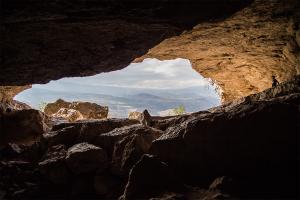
pixel 74 111
pixel 70 114
pixel 143 117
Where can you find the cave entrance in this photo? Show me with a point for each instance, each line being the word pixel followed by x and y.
pixel 163 87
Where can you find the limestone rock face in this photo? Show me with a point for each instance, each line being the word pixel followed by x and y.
pixel 242 52
pixel 21 126
pixel 84 157
pixel 74 111
pixel 7 93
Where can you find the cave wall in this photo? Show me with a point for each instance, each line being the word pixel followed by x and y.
pixel 242 52
pixel 239 44
pixel 47 40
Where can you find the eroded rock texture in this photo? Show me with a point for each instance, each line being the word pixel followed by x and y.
pixel 241 150
pixel 77 110
pixel 242 52
pixel 43 41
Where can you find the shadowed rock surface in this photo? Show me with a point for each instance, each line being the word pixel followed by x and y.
pixel 47 40
pixel 245 149
pixel 241 150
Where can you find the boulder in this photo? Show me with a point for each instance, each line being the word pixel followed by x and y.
pixel 98 126
pixel 90 110
pixel 255 140
pixel 84 157
pixel 69 114
pixel 53 166
pixel 143 117
pixel 108 140
pixel 148 177
pixel 135 115
pixel 130 149
pixel 222 184
pixel 89 131
pixel 146 118
pixel 67 136
pixel 105 184
pixel 23 126
pixel 52 108
pixel 86 109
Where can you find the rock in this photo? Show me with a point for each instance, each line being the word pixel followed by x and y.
pixel 91 130
pixel 146 118
pixel 254 141
pixel 298 37
pixel 85 110
pixel 105 183
pixel 239 51
pixel 52 108
pixel 108 140
pixel 223 184
pixel 24 126
pixel 97 127
pixel 135 115
pixel 53 165
pixel 7 93
pixel 82 186
pixel 130 149
pixel 90 110
pixel 67 136
pixel 69 114
pixel 147 177
pixel 84 157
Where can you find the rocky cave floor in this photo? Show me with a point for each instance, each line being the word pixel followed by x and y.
pixel 247 149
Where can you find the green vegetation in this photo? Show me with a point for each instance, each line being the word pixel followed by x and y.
pixel 179 110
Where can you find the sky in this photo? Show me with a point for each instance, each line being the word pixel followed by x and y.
pixel 152 84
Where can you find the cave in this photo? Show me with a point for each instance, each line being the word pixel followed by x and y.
pixel 160 99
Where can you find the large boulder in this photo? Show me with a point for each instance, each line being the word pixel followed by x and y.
pixel 84 157
pixel 110 139
pixel 148 177
pixel 84 131
pixel 53 166
pixel 106 184
pixel 253 140
pixel 129 150
pixel 86 109
pixel 67 136
pixel 23 126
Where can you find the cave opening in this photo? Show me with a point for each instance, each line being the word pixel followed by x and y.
pixel 167 87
